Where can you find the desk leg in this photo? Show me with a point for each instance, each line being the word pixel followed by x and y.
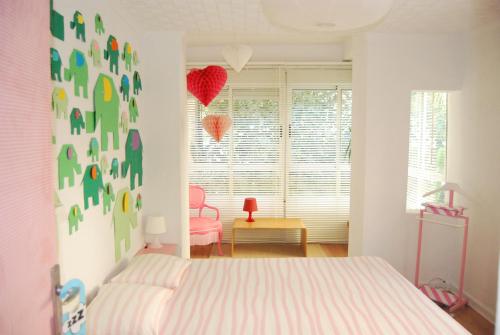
pixel 303 240
pixel 232 242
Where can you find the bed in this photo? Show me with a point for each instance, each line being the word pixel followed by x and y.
pixel 356 295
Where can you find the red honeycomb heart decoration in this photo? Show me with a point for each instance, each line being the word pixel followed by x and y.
pixel 205 84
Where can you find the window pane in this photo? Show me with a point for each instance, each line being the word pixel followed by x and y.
pixel 427 146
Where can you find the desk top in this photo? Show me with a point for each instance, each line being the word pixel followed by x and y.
pixel 269 223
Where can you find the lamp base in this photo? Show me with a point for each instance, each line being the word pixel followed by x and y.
pixel 155 244
pixel 250 218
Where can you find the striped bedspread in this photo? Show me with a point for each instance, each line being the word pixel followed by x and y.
pixel 359 295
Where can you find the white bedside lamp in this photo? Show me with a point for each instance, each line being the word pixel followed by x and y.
pixel 155 226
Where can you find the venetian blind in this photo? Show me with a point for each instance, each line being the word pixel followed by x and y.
pixel 287 148
pixel 427 145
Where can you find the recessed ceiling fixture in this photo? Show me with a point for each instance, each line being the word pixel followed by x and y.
pixel 325 15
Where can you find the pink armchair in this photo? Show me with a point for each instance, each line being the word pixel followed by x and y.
pixel 203 230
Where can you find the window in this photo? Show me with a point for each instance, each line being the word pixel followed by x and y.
pixel 287 147
pixel 427 147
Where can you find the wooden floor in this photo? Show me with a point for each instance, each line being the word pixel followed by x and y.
pixel 467 317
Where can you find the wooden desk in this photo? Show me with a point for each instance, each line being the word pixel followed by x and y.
pixel 271 223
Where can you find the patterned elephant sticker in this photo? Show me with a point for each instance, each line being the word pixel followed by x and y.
pixel 125 87
pixel 78 24
pixel 95 53
pixel 74 217
pixel 76 121
pixel 55 65
pixel 93 151
pixel 99 25
pixel 138 202
pixel 104 164
pixel 112 53
pixel 127 56
pixel 133 110
pixel 92 185
pixel 108 196
pixel 135 57
pixel 137 83
pixel 107 105
pixel 60 102
pixel 133 158
pixel 78 71
pixel 67 165
pixel 124 219
pixel 115 165
pixel 124 122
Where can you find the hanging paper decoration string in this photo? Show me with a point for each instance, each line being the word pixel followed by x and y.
pixel 217 125
pixel 205 84
pixel 237 56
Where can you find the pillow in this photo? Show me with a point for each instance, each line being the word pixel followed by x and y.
pixel 127 309
pixel 154 269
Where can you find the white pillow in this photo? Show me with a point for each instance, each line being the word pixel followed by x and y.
pixel 127 309
pixel 154 269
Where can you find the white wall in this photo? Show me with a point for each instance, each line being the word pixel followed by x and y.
pixel 273 53
pixel 386 68
pixel 474 161
pixel 88 254
pixel 166 137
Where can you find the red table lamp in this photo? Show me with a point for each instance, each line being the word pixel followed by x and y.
pixel 250 206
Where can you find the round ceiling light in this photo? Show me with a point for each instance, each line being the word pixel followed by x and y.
pixel 325 15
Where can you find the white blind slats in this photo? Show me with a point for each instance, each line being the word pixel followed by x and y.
pixel 290 156
pixel 427 145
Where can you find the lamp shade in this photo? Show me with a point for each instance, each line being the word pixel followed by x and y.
pixel 250 205
pixel 155 225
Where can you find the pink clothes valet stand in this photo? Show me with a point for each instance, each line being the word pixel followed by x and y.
pixel 453 301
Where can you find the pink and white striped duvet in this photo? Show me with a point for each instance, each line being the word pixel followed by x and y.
pixel 360 295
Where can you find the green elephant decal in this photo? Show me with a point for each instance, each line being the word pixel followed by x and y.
pixel 99 25
pixel 125 87
pixel 56 22
pixel 112 53
pixel 127 56
pixel 78 71
pixel 137 83
pixel 95 53
pixel 115 165
pixel 107 105
pixel 135 58
pixel 104 164
pixel 108 196
pixel 55 65
pixel 133 110
pixel 92 185
pixel 60 102
pixel 76 121
pixel 133 157
pixel 138 202
pixel 67 165
pixel 78 24
pixel 124 122
pixel 93 151
pixel 124 219
pixel 74 217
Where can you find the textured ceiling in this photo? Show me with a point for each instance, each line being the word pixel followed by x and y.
pixel 243 21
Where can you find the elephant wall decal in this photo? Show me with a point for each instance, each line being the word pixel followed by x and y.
pixel 78 71
pixel 95 53
pixel 108 196
pixel 74 217
pixel 124 219
pixel 76 121
pixel 115 165
pixel 107 104
pixel 137 82
pixel 93 151
pixel 133 109
pixel 133 157
pixel 78 24
pixel 112 53
pixel 67 165
pixel 99 25
pixel 125 87
pixel 127 56
pixel 124 122
pixel 55 65
pixel 92 185
pixel 60 102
